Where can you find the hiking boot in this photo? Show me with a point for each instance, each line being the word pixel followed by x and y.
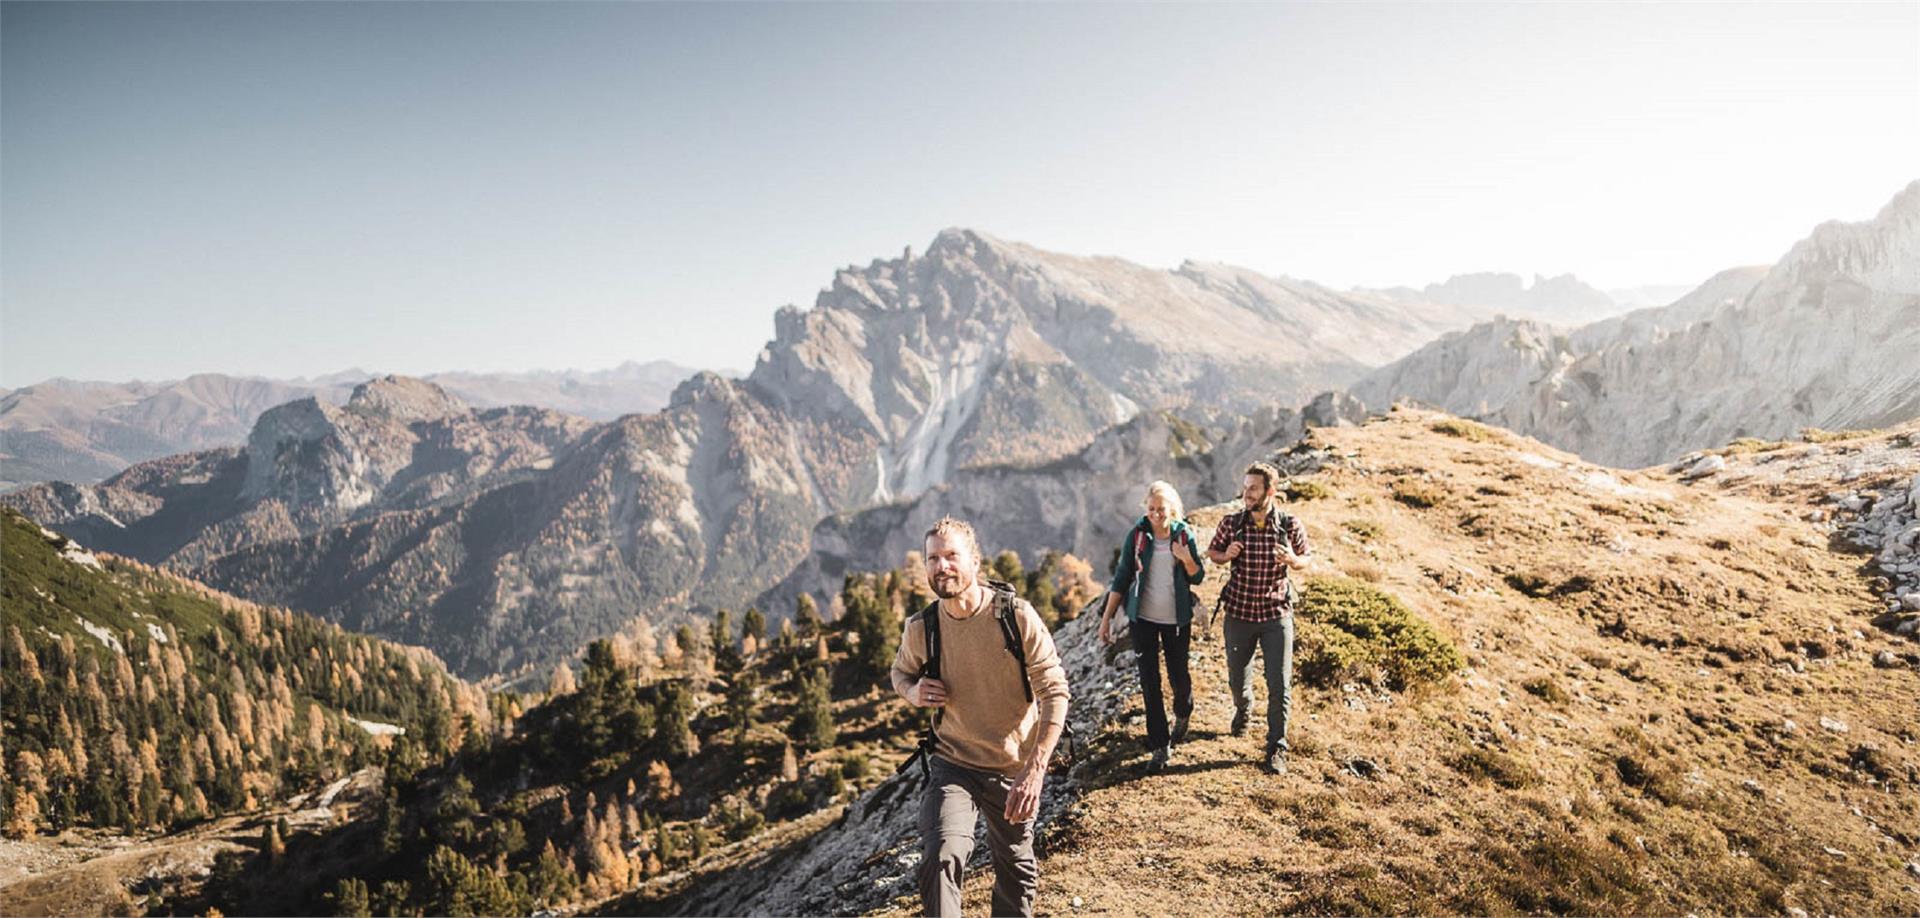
pixel 1158 763
pixel 1276 763
pixel 1239 727
pixel 1179 734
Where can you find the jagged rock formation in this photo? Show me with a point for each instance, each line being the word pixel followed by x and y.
pixel 83 432
pixel 1825 338
pixel 983 351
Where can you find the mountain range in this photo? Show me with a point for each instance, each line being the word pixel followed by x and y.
pixel 503 538
pixel 84 432
pixel 1033 392
pixel 1825 338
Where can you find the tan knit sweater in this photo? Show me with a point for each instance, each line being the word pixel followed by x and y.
pixel 988 724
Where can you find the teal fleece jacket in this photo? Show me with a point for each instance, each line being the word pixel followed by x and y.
pixel 1132 570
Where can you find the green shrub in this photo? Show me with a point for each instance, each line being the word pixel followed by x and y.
pixel 1298 489
pixel 1416 493
pixel 1364 530
pixel 1546 689
pixel 1750 445
pixel 1816 435
pixel 1354 631
pixel 1499 767
pixel 1464 429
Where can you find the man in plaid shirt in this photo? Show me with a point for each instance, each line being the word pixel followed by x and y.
pixel 1262 544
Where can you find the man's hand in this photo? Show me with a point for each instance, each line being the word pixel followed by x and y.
pixel 1023 799
pixel 1290 559
pixel 929 693
pixel 1234 550
pixel 1106 628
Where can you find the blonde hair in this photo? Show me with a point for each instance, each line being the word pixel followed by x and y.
pixel 1175 509
pixel 951 528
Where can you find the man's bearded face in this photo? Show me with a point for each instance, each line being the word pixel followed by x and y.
pixel 952 565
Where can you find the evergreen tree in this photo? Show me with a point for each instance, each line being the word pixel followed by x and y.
pixel 813 711
pixel 552 881
pixel 673 726
pixel 1006 566
pixel 875 626
pixel 742 702
pixel 726 654
pixel 456 886
pixel 351 899
pixel 806 615
pixel 754 625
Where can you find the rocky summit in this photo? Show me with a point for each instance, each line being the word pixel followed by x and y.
pixel 982 351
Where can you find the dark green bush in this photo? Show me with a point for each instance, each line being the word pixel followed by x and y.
pixel 1352 631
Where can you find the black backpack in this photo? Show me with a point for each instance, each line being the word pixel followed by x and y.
pixel 1006 612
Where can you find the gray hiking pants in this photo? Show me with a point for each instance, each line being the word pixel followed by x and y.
pixel 1274 640
pixel 954 799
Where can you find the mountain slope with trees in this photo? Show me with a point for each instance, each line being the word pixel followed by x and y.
pixel 139 701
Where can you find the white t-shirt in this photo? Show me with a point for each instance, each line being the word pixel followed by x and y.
pixel 1156 593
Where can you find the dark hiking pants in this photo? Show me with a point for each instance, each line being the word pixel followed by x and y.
pixel 1150 639
pixel 954 799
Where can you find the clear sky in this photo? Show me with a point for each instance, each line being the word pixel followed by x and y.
pixel 291 189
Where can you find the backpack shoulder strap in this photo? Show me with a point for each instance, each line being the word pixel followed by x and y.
pixel 1007 612
pixel 930 668
pixel 930 629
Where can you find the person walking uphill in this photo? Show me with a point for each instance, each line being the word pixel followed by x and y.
pixel 1262 544
pixel 1000 699
pixel 1159 566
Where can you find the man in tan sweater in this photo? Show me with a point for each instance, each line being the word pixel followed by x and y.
pixel 995 725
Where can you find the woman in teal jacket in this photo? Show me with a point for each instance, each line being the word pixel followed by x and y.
pixel 1159 565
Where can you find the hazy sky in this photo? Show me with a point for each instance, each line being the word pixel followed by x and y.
pixel 289 189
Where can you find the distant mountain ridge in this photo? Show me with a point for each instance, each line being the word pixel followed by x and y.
pixel 1825 338
pixel 1563 299
pixel 82 431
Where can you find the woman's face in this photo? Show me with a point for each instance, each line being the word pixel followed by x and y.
pixel 1157 510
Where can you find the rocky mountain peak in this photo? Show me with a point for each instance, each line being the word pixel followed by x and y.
pixel 1882 253
pixel 699 387
pixel 404 399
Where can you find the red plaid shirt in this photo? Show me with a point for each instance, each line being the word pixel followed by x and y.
pixel 1257 590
